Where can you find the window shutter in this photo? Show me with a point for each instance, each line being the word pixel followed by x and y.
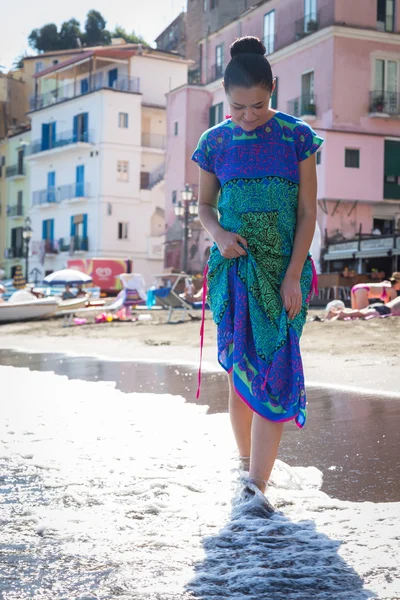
pixel 274 99
pixel 44 230
pixel 85 220
pixel 72 228
pixel 75 133
pixel 85 127
pixel 45 136
pixel 51 229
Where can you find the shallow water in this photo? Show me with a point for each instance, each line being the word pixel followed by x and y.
pixel 352 439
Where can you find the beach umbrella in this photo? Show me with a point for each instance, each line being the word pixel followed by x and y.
pixel 67 277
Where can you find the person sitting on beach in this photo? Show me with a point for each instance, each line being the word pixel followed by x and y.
pixel 337 312
pixel 385 291
pixel 67 293
pixel 80 292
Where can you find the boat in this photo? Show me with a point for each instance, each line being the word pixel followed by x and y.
pixel 24 306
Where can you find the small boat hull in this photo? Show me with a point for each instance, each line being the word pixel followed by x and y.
pixel 11 312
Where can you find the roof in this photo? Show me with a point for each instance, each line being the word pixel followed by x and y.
pixel 107 52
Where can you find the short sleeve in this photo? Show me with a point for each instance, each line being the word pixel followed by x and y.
pixel 201 155
pixel 307 141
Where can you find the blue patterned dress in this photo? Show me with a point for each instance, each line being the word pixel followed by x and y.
pixel 259 176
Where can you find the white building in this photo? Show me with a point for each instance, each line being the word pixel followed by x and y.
pixel 97 157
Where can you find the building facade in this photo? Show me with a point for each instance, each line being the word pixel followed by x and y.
pixel 337 66
pixel 173 38
pixel 97 157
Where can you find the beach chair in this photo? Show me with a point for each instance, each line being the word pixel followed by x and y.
pixel 167 296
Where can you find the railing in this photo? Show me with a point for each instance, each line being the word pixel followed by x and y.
pixel 303 106
pixel 384 102
pixel 51 247
pixel 41 197
pixel 79 244
pixel 194 77
pixel 15 252
pixel 307 25
pixel 270 44
pixel 72 190
pixel 63 245
pixel 149 180
pixel 98 81
pixel 67 138
pixel 216 72
pixel 15 171
pixel 16 210
pixel 154 140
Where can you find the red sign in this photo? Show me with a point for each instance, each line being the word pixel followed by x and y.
pixel 104 271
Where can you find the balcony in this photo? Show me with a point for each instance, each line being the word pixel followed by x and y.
pixel 303 107
pixel 216 72
pixel 15 172
pixel 45 197
pixel 73 191
pixel 14 252
pixel 51 247
pixel 79 244
pixel 149 180
pixel 154 140
pixel 16 210
pixel 307 25
pixel 98 81
pixel 62 140
pixel 384 104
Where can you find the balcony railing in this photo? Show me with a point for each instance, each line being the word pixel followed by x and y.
pixel 194 77
pixel 14 252
pixel 149 180
pixel 15 171
pixel 98 81
pixel 16 210
pixel 41 197
pixel 216 72
pixel 51 247
pixel 72 190
pixel 307 25
pixel 303 106
pixel 154 140
pixel 67 138
pixel 79 244
pixel 384 102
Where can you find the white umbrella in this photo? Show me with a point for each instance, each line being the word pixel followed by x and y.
pixel 67 277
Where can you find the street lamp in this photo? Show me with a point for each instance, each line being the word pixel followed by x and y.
pixel 27 234
pixel 186 211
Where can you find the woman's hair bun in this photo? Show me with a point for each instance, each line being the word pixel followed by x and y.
pixel 247 45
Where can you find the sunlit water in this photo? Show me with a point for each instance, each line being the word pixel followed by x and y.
pixel 353 439
pixel 112 495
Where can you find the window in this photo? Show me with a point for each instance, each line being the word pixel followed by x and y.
pixel 174 197
pixel 123 170
pixel 112 78
pixel 176 127
pixel 84 85
pixel 385 97
pixel 122 231
pixel 38 66
pixel 81 127
pixel 352 158
pixel 216 114
pixel 205 5
pixel 48 229
pixel 123 120
pixel 274 97
pixel 48 135
pixel 385 15
pixel 144 180
pixel 385 226
pixel 219 60
pixel 307 94
pixel 391 183
pixel 319 156
pixel 213 4
pixel 269 32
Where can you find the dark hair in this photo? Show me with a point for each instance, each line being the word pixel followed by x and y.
pixel 248 65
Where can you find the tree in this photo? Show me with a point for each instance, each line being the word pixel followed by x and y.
pixel 19 61
pixel 96 32
pixel 130 38
pixel 70 35
pixel 45 39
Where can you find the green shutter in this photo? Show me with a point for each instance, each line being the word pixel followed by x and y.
pixel 274 99
pixel 213 116
pixel 391 185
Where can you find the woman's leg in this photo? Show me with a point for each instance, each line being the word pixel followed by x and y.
pixel 241 419
pixel 359 298
pixel 265 439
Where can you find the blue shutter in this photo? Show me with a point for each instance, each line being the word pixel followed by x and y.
pixel 51 186
pixel 72 229
pixel 75 133
pixel 84 85
pixel 53 134
pixel 45 136
pixel 80 181
pixel 85 137
pixel 85 220
pixel 51 229
pixel 44 230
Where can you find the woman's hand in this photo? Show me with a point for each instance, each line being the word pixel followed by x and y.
pixel 291 295
pixel 229 242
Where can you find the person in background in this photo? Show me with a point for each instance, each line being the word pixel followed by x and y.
pixel 80 291
pixel 385 291
pixel 67 293
pixel 257 200
pixel 340 313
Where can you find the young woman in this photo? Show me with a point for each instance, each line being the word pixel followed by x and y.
pixel 257 170
pixel 385 291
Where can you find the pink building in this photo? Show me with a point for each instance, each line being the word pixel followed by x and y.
pixel 337 65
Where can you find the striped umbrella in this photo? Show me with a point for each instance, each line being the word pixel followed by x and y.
pixel 67 277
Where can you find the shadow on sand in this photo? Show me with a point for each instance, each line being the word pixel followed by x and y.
pixel 259 555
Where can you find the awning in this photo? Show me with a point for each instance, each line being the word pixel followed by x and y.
pixel 347 254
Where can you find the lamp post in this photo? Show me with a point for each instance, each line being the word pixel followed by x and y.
pixel 186 210
pixel 27 234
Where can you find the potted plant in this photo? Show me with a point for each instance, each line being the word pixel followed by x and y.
pixel 378 104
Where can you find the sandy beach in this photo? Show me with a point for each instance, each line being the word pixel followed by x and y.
pixel 359 354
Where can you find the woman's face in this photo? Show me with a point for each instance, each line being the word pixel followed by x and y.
pixel 249 106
